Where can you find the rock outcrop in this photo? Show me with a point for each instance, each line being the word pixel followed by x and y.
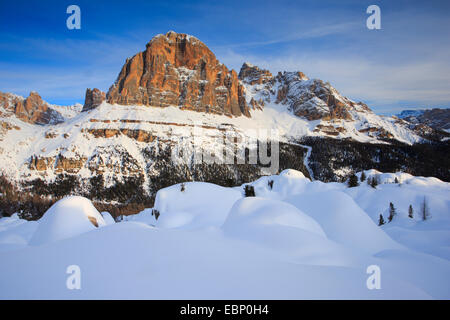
pixel 94 98
pixel 253 75
pixel 179 70
pixel 310 99
pixel 32 109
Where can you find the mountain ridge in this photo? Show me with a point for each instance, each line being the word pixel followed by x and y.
pixel 436 118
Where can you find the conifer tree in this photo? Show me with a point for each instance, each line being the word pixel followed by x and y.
pixel 249 191
pixel 392 212
pixel 410 212
pixel 381 220
pixel 353 181
pixel 363 176
pixel 373 182
pixel 424 209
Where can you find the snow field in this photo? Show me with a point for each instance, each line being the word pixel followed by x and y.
pixel 295 240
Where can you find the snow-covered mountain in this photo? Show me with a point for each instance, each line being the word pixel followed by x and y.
pixel 435 118
pixel 121 142
pixel 326 111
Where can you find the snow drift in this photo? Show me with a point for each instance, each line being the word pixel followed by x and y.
pixel 196 204
pixel 67 218
pixel 296 239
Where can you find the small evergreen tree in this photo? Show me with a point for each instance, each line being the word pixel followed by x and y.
pixel 381 220
pixel 373 181
pixel 395 180
pixel 424 209
pixel 249 191
pixel 363 176
pixel 155 213
pixel 353 181
pixel 183 187
pixel 270 183
pixel 410 212
pixel 392 212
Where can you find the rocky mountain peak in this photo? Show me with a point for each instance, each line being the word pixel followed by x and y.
pixel 177 69
pixel 32 109
pixel 291 76
pixel 94 97
pixel 254 75
pixel 312 99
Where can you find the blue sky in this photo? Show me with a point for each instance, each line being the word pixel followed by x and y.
pixel 403 65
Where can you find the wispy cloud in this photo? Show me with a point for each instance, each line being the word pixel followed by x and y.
pixel 316 32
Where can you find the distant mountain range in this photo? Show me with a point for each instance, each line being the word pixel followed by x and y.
pixel 436 118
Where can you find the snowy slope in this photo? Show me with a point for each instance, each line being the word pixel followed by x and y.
pixel 67 111
pixel 295 240
pixel 80 136
pixel 292 95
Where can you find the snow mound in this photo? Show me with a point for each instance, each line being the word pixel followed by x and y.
pixel 295 240
pixel 253 211
pixel 291 173
pixel 287 183
pixel 343 220
pixel 68 217
pixel 199 205
pixel 286 231
pixel 15 233
pixel 108 218
pixel 402 177
pixel 139 262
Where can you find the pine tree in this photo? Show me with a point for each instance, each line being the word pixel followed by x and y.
pixel 270 183
pixel 353 181
pixel 424 209
pixel 381 220
pixel 249 191
pixel 392 212
pixel 183 187
pixel 410 212
pixel 155 212
pixel 373 181
pixel 363 176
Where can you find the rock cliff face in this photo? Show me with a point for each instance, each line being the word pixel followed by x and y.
pixel 32 109
pixel 309 99
pixel 94 97
pixel 254 75
pixel 179 70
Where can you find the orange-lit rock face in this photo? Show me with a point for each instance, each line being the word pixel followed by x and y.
pixel 94 97
pixel 32 109
pixel 179 70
